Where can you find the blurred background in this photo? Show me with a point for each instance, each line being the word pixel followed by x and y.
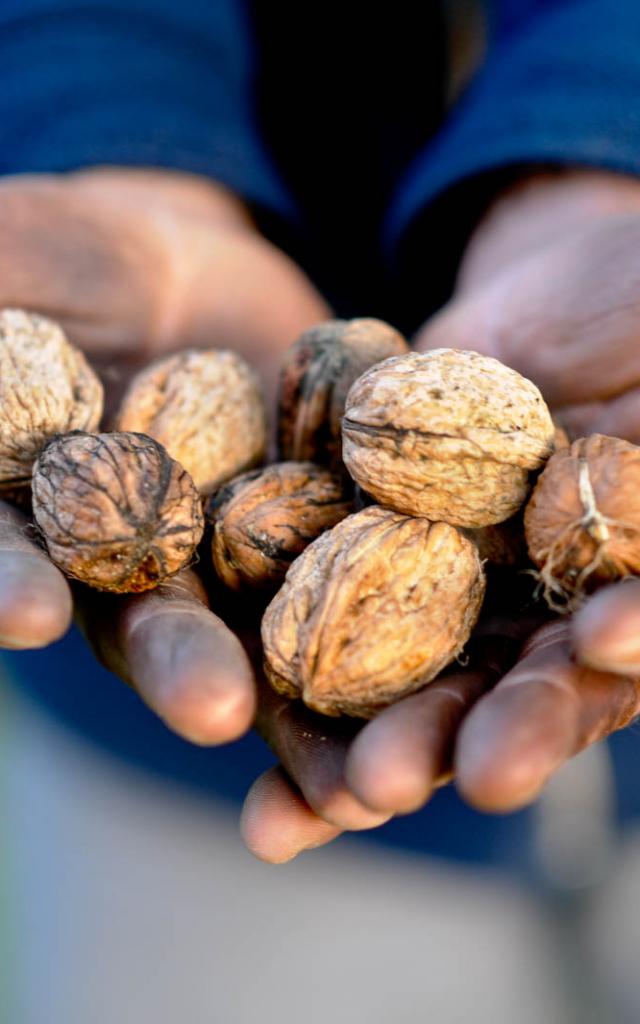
pixel 129 898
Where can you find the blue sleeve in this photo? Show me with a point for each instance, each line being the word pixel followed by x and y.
pixel 133 82
pixel 560 85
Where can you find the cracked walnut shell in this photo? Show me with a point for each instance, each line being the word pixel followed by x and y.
pixel 205 407
pixel 372 611
pixel 316 375
pixel 447 434
pixel 582 522
pixel 265 518
pixel 115 511
pixel 46 388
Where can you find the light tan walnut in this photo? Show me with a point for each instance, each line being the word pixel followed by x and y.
pixel 205 407
pixel 371 611
pixel 447 434
pixel 316 375
pixel 265 518
pixel 582 522
pixel 46 388
pixel 115 510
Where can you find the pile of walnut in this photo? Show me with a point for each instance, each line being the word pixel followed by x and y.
pixel 120 511
pixel 401 476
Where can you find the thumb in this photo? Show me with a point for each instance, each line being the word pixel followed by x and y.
pixel 460 324
pixel 565 316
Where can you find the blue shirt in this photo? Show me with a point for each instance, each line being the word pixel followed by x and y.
pixel 339 130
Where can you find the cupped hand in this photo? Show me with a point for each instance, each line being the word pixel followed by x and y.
pixel 550 284
pixel 134 264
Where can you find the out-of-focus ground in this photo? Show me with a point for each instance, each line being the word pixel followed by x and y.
pixel 130 902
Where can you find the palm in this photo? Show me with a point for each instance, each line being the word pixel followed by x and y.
pixel 563 311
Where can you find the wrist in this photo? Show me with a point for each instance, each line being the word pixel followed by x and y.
pixel 535 210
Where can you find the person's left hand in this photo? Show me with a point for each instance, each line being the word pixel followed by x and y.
pixel 550 285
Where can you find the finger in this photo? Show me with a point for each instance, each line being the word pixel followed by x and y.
pixel 313 750
pixel 277 824
pixel 619 417
pixel 606 630
pixel 543 711
pixel 178 656
pixel 401 756
pixel 35 600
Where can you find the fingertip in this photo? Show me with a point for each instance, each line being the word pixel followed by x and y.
pixel 498 788
pixel 36 606
pixel 512 742
pixel 276 824
pixel 194 673
pixel 204 708
pixel 343 809
pixel 384 775
pixel 606 630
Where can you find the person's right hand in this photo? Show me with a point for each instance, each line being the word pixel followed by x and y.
pixel 134 264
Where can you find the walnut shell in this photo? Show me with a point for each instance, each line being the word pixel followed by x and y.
pixel 447 434
pixel 115 510
pixel 46 388
pixel 316 375
pixel 266 518
pixel 207 410
pixel 372 611
pixel 582 521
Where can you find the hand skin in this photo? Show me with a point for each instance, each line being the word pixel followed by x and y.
pixel 135 264
pixel 550 284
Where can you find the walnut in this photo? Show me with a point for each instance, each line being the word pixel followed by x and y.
pixel 46 388
pixel 266 518
pixel 582 522
pixel 115 510
pixel 446 434
pixel 318 371
pixel 206 408
pixel 371 611
pixel 502 544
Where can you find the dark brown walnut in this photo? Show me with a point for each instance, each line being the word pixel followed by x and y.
pixel 372 611
pixel 115 510
pixel 447 434
pixel 503 544
pixel 316 375
pixel 266 518
pixel 582 522
pixel 205 407
pixel 46 388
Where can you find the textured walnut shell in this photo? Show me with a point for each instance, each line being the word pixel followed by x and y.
pixel 46 388
pixel 266 518
pixel 582 521
pixel 115 510
pixel 372 611
pixel 316 375
pixel 207 410
pixel 446 434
